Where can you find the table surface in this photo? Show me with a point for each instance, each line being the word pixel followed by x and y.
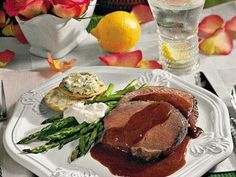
pixel 219 69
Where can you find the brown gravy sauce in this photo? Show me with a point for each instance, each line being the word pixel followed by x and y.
pixel 122 164
pixel 180 104
pixel 129 138
pixel 194 131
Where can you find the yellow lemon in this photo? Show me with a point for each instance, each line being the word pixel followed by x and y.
pixel 177 53
pixel 118 31
pixel 166 52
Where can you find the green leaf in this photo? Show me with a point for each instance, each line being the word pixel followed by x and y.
pixel 210 3
pixel 94 21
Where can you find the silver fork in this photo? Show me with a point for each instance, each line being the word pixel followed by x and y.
pixel 233 118
pixel 233 96
pixel 3 110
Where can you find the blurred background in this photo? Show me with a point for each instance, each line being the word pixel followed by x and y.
pixel 105 6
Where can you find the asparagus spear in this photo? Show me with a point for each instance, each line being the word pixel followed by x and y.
pixel 116 96
pixel 129 88
pixel 119 94
pixel 83 131
pixel 27 139
pixel 56 126
pixel 42 148
pixel 52 144
pixel 66 132
pixel 75 153
pixel 111 104
pixel 64 141
pixel 52 128
pixel 86 142
pixel 79 148
pixel 108 91
pixel 144 85
pixel 49 145
pixel 91 140
pixel 88 128
pixel 132 83
pixel 101 127
pixel 52 119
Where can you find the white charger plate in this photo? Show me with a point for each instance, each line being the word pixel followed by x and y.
pixel 213 146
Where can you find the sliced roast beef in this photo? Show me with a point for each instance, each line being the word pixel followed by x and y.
pixel 184 101
pixel 181 100
pixel 147 129
pixel 121 115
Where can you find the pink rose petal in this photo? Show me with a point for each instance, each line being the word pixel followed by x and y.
pixel 17 32
pixel 209 25
pixel 127 59
pixel 220 43
pixel 60 66
pixel 2 18
pixel 8 30
pixel 150 64
pixel 5 57
pixel 231 26
pixel 12 8
pixel 34 8
pixel 69 9
pixel 27 8
pixel 143 13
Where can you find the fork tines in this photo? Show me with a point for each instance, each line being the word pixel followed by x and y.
pixel 3 110
pixel 233 96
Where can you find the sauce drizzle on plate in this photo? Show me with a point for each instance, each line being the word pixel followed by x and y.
pixel 122 164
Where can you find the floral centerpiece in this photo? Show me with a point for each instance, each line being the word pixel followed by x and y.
pixel 55 26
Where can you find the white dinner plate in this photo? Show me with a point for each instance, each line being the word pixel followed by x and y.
pixel 213 146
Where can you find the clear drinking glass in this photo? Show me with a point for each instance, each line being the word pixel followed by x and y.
pixel 178 27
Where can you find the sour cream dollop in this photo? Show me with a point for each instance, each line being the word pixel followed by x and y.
pixel 86 113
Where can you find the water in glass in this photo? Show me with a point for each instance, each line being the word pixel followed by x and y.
pixel 178 27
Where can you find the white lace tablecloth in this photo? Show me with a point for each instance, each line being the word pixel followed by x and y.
pixel 219 69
